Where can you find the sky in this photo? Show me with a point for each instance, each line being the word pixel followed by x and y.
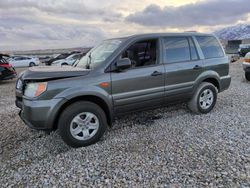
pixel 51 24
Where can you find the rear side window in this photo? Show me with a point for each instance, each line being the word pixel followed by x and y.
pixel 210 46
pixel 177 49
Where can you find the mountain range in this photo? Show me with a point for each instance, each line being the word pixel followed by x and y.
pixel 237 32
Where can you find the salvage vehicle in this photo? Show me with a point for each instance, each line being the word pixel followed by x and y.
pixel 22 61
pixel 58 57
pixel 121 76
pixel 244 49
pixel 7 72
pixel 246 66
pixel 70 60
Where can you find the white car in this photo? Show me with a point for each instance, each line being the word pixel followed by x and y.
pixel 21 61
pixel 70 60
pixel 246 66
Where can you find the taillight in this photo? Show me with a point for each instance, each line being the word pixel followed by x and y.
pixel 6 65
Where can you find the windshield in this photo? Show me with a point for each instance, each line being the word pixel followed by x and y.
pixel 99 54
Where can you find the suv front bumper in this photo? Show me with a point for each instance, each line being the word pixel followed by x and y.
pixel 39 114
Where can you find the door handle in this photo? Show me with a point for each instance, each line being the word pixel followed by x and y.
pixel 156 73
pixel 197 67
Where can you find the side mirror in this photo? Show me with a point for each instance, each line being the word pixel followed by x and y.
pixel 124 63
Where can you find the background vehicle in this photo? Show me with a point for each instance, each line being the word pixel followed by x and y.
pixel 44 59
pixel 70 60
pixel 246 66
pixel 6 70
pixel 244 49
pixel 121 76
pixel 21 61
pixel 58 57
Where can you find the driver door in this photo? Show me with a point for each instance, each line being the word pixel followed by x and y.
pixel 140 87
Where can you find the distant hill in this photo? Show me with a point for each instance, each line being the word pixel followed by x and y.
pixel 47 51
pixel 237 32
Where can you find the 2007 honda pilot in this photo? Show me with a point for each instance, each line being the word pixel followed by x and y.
pixel 119 76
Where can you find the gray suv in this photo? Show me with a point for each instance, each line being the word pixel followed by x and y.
pixel 121 76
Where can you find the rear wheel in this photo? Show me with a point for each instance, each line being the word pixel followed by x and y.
pixel 204 99
pixel 32 64
pixel 64 63
pixel 82 124
pixel 247 75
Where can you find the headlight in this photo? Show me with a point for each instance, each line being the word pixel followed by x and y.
pixel 35 89
pixel 19 84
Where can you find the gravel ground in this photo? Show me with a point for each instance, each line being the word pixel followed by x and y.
pixel 160 148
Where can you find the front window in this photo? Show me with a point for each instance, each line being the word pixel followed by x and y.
pixel 99 54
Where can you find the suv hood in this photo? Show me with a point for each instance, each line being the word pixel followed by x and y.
pixel 52 73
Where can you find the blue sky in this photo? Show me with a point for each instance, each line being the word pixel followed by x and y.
pixel 42 24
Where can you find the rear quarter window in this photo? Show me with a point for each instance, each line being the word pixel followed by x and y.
pixel 210 47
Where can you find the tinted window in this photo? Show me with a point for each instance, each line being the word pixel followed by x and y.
pixel 193 50
pixel 18 58
pixel 143 53
pixel 210 46
pixel 176 49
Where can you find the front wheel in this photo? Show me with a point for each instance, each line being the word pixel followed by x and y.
pixel 32 64
pixel 82 124
pixel 247 75
pixel 204 99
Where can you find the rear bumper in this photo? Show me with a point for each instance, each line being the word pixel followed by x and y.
pixel 225 82
pixel 9 77
pixel 39 114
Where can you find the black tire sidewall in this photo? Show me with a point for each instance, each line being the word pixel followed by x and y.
pixel 32 64
pixel 247 75
pixel 70 113
pixel 213 89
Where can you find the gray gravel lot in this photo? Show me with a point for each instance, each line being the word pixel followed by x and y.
pixel 160 148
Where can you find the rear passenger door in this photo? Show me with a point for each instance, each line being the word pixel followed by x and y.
pixel 182 66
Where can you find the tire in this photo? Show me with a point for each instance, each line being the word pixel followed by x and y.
pixel 247 75
pixel 32 64
pixel 204 99
pixel 69 124
pixel 64 64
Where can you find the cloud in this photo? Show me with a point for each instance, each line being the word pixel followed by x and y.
pixel 24 33
pixel 40 24
pixel 26 25
pixel 202 13
pixel 75 9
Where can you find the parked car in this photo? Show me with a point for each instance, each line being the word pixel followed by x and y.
pixel 44 59
pixel 244 49
pixel 6 70
pixel 58 57
pixel 246 66
pixel 114 79
pixel 21 61
pixel 70 60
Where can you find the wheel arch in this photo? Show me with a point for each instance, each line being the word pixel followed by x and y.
pixel 209 76
pixel 91 98
pixel 213 81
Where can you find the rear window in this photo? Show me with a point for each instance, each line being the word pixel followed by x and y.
pixel 210 47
